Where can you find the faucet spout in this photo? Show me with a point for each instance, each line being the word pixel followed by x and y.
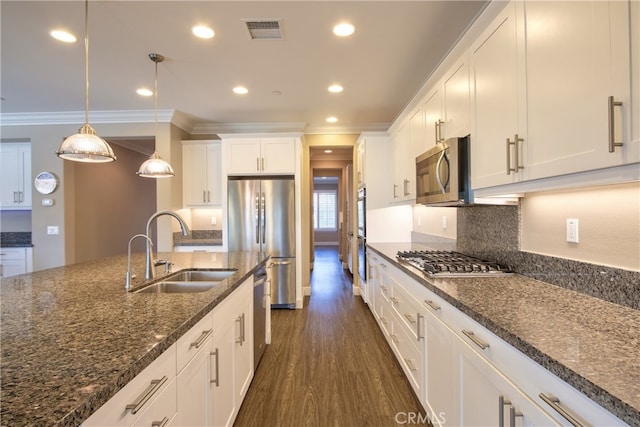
pixel 127 280
pixel 149 274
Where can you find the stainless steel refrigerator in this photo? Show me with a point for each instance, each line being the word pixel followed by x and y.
pixel 261 217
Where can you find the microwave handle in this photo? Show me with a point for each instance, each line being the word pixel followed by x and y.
pixel 438 164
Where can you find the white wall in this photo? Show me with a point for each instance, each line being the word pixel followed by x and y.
pixel 609 224
pixel 392 224
pixel 435 221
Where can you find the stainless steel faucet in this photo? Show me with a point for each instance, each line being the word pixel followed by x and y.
pixel 129 276
pixel 150 262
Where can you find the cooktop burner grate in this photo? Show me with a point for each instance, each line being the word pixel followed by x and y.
pixel 451 264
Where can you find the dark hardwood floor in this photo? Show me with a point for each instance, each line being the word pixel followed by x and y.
pixel 328 364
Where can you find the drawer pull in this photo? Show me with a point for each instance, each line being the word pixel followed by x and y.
pixel 513 414
pixel 502 402
pixel 410 364
pixel 384 288
pixel 554 402
pixel 154 386
pixel 612 127
pixel 477 341
pixel 162 423
pixel 384 321
pixel 432 304
pixel 394 300
pixel 419 333
pixel 394 338
pixel 410 318
pixel 203 337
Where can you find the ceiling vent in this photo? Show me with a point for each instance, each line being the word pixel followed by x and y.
pixel 264 29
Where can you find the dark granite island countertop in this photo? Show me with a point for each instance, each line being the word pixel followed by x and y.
pixel 71 337
pixel 589 343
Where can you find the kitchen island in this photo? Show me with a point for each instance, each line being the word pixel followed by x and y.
pixel 588 343
pixel 71 337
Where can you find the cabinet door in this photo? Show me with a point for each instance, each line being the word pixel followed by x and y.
pixel 456 97
pixel 402 169
pixel 487 397
pixel 243 350
pixel 222 409
pixel 214 177
pixel 194 161
pixel 587 43
pixel 497 103
pixel 432 111
pixel 244 156
pixel 440 385
pixel 15 170
pixel 278 155
pixel 417 136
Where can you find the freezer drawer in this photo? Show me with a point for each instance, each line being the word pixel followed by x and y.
pixel 282 275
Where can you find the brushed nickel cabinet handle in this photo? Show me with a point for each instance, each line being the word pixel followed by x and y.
pixel 477 341
pixel 410 364
pixel 203 337
pixel 217 356
pixel 263 163
pixel 162 423
pixel 612 124
pixel 258 164
pixel 394 338
pixel 204 197
pixel 239 322
pixel 554 402
pixel 516 151
pixel 410 318
pixel 502 402
pixel 395 186
pixel 405 187
pixel 394 300
pixel 419 333
pixel 432 304
pixel 208 196
pixel 153 388
pixel 513 414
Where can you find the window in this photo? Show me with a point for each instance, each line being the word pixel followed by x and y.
pixel 325 210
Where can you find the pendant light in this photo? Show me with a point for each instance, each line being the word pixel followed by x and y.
pixel 86 146
pixel 155 167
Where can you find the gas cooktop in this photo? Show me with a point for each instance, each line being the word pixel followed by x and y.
pixel 451 264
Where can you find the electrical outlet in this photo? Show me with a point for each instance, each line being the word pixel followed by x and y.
pixel 444 222
pixel 572 230
pixel 214 221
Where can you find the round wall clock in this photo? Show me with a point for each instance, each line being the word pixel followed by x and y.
pixel 46 182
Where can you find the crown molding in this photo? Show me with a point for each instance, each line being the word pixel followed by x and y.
pixel 345 129
pixel 75 117
pixel 229 128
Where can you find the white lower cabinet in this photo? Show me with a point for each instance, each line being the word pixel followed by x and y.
pixel 138 398
pixel 199 381
pixel 462 373
pixel 14 261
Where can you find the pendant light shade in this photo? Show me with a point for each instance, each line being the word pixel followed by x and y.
pixel 86 146
pixel 155 167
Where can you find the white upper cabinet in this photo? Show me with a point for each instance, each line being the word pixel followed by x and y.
pixel 456 101
pixel 577 57
pixel 15 176
pixel 202 176
pixel 253 156
pixel 498 102
pixel 404 165
pixel 551 91
pixel 432 114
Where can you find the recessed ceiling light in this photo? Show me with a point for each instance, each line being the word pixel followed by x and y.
pixel 143 91
pixel 328 151
pixel 63 36
pixel 202 31
pixel 335 88
pixel 240 90
pixel 344 29
pixel 332 119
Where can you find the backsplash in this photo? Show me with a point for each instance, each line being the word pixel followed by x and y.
pixel 493 233
pixel 15 238
pixel 198 238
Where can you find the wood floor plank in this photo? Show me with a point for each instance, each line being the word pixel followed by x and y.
pixel 328 364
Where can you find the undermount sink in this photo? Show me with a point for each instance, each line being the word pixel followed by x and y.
pixel 188 281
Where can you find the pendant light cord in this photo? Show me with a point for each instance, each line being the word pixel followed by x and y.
pixel 155 107
pixel 86 61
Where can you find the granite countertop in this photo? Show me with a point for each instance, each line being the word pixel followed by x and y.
pixel 72 337
pixel 589 343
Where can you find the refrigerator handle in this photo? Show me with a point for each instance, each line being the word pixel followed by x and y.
pixel 264 219
pixel 257 221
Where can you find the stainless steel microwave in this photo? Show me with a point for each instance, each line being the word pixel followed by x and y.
pixel 443 174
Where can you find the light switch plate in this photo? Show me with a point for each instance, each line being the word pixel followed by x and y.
pixel 572 230
pixel 53 229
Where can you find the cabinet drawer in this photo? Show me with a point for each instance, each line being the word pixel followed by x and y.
pixel 410 355
pixel 142 392
pixel 189 344
pixel 13 254
pixel 161 409
pixel 408 310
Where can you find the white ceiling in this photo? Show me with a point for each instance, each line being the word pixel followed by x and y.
pixel 396 46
